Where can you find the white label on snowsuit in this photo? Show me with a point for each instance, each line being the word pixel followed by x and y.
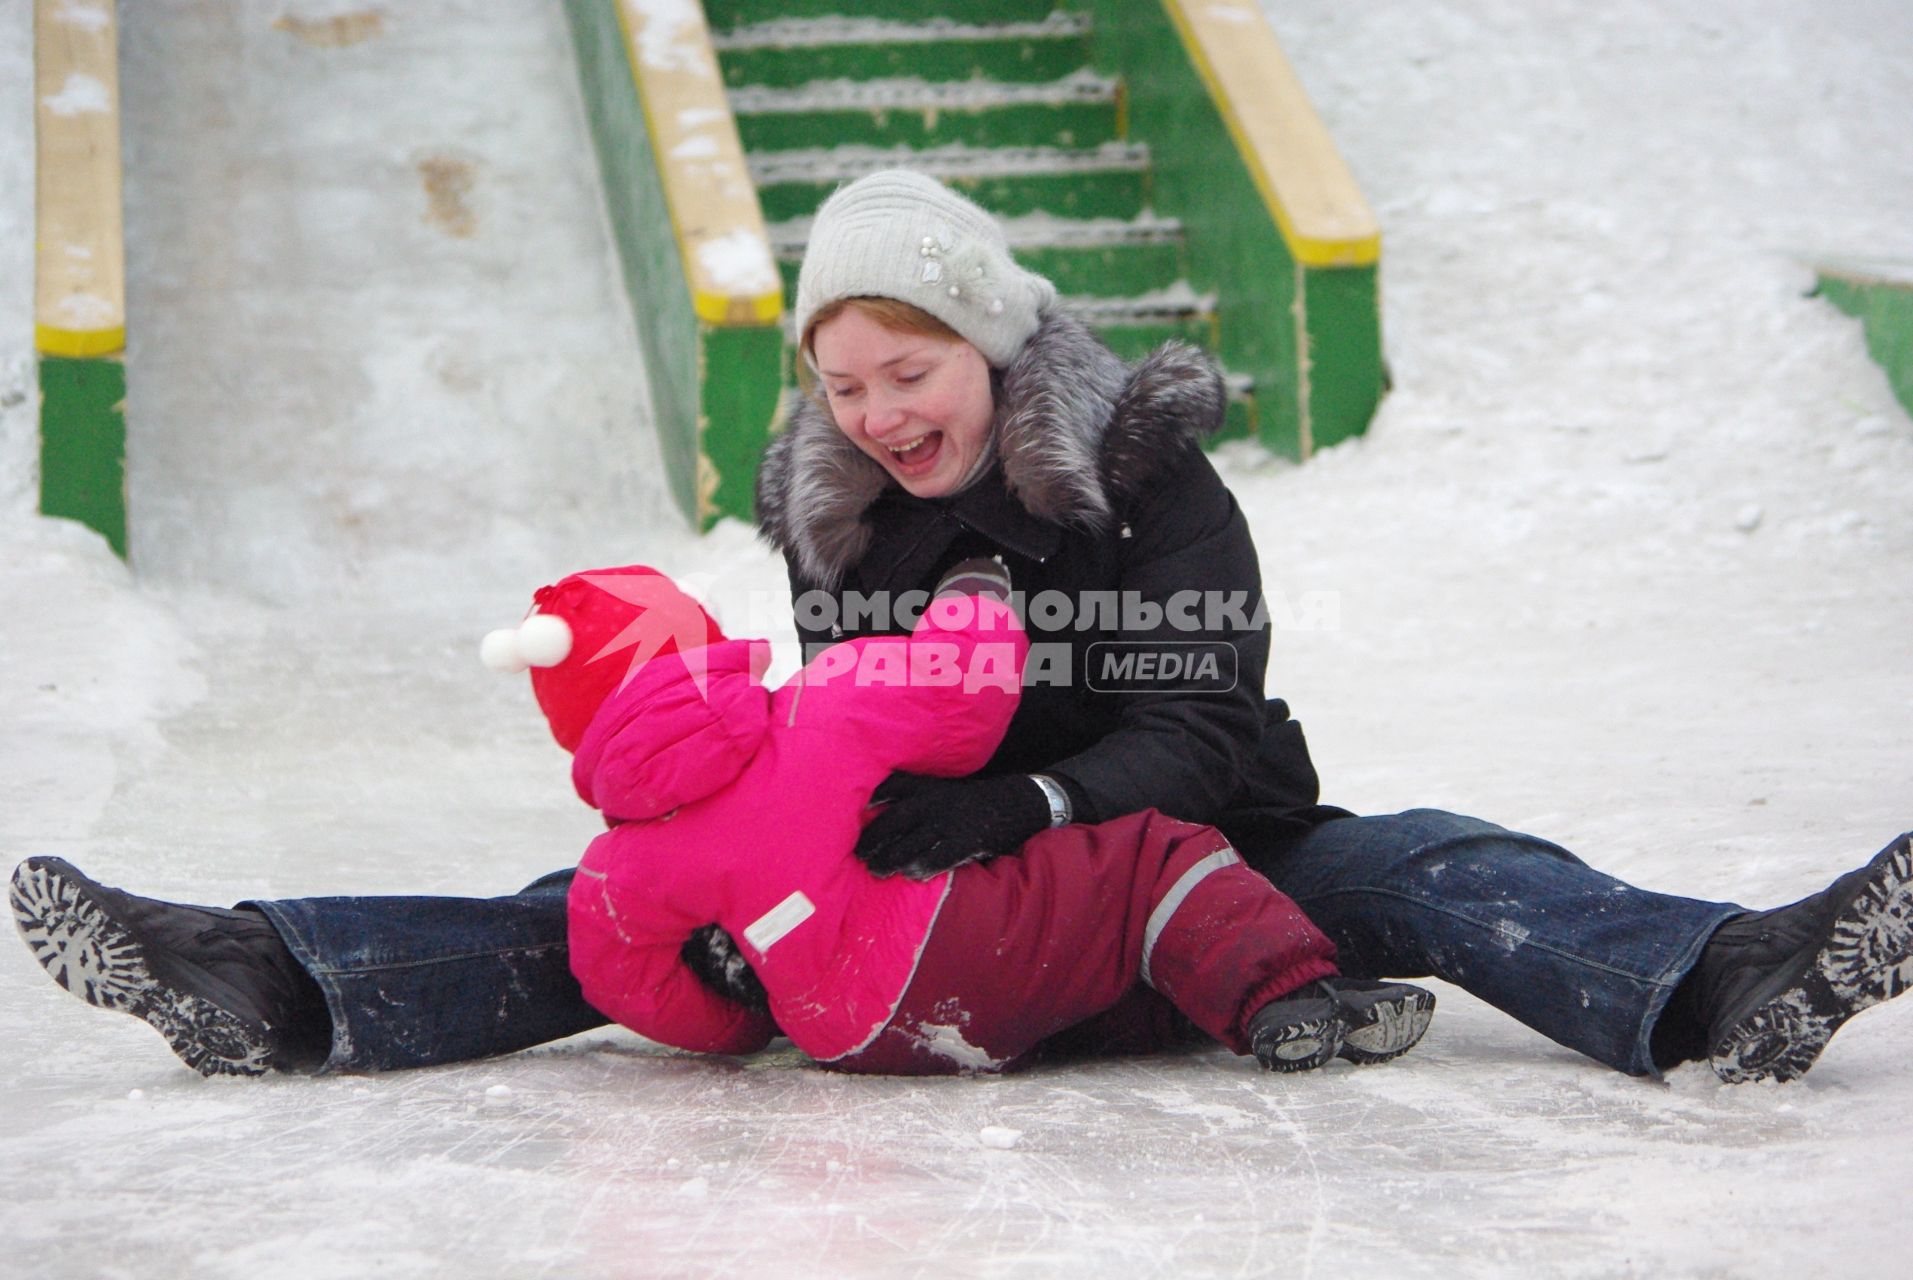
pixel 1185 884
pixel 769 929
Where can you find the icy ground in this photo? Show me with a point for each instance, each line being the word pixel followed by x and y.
pixel 1627 559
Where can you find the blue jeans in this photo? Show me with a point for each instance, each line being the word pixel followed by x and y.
pixel 1579 956
pixel 413 982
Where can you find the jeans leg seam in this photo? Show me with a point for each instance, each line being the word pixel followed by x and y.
pixel 360 970
pixel 1453 914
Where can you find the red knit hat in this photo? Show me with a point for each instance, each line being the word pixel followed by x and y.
pixel 587 634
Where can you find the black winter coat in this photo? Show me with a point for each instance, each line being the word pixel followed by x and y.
pixel 1100 492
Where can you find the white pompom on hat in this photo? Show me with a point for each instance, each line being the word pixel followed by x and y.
pixel 541 640
pixel 631 614
pixel 898 234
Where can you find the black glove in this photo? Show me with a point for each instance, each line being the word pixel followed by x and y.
pixel 714 958
pixel 929 825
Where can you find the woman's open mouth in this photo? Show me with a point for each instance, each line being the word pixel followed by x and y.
pixel 913 457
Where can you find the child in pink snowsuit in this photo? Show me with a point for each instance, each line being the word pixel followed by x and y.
pixel 732 804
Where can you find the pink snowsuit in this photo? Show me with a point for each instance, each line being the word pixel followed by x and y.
pixel 729 803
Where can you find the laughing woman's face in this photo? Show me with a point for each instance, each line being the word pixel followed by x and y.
pixel 920 405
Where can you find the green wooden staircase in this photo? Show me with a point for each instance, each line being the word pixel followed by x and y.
pixel 999 99
pixel 1104 135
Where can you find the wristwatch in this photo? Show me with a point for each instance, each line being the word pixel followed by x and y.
pixel 1057 797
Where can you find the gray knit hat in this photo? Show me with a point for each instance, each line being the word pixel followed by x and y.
pixel 898 234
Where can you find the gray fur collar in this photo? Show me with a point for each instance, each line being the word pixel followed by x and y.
pixel 1078 433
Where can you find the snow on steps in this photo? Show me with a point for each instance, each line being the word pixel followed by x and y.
pixel 912 93
pixel 836 29
pixel 1026 232
pixel 953 161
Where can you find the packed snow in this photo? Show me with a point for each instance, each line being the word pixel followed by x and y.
pixel 80 95
pixel 1626 559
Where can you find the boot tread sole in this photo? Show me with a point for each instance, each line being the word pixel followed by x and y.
pixel 84 949
pixel 1866 959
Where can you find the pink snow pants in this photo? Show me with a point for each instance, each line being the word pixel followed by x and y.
pixel 1111 938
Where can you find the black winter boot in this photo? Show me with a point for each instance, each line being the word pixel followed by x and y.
pixel 220 985
pixel 1772 987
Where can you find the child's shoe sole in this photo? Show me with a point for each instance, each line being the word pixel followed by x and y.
pixel 1387 1027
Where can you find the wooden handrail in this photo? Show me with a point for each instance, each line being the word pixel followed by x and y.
pixel 714 211
pixel 1287 149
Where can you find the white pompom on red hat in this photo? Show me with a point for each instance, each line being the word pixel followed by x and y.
pixel 587 633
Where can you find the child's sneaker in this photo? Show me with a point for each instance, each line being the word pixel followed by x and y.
pixel 1353 1018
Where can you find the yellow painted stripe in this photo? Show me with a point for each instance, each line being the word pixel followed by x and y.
pixel 80 251
pixel 715 214
pixel 50 341
pixel 1288 151
pixel 736 309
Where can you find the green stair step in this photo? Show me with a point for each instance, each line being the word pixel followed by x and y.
pixel 1105 256
pixel 1133 327
pixel 1078 110
pixel 729 15
pixel 787 52
pixel 1110 181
